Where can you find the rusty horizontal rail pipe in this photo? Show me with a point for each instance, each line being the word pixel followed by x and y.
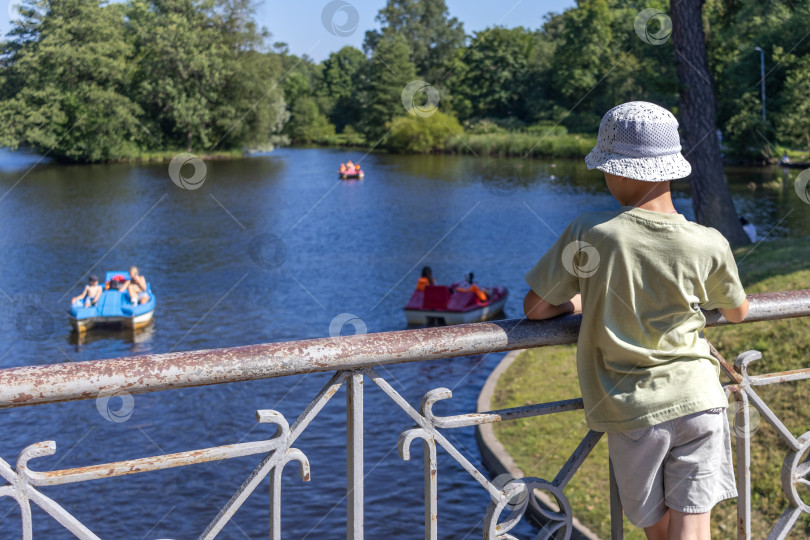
pixel 55 383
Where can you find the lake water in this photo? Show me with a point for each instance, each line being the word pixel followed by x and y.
pixel 273 248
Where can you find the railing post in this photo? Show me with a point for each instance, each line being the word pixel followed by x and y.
pixel 354 456
pixel 742 419
pixel 431 490
pixel 616 516
pixel 275 503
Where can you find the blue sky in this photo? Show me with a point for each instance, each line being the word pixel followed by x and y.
pixel 299 22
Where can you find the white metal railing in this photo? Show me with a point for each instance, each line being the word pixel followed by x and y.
pixel 354 359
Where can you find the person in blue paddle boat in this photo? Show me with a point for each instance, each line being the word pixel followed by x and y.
pixel 90 294
pixel 137 287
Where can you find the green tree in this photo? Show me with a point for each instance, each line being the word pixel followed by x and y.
pixel 307 124
pixel 582 58
pixel 200 77
pixel 250 107
pixel 182 66
pixel 343 79
pixel 389 72
pixel 794 127
pixel 735 29
pixel 491 77
pixel 64 82
pixel 430 34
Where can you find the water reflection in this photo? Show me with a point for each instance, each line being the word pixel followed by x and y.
pixel 140 338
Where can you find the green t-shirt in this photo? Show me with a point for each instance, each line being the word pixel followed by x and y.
pixel 643 275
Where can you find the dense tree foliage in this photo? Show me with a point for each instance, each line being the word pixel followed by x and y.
pixel 64 82
pixel 780 29
pixel 431 35
pixel 343 82
pixel 89 81
pixel 390 70
pixel 491 78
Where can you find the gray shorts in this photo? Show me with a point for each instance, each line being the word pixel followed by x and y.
pixel 684 464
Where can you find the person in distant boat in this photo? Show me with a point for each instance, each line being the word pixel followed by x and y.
pixel 137 287
pixel 117 283
pixel 482 294
pixel 343 167
pixel 90 294
pixel 785 159
pixel 426 279
pixel 350 167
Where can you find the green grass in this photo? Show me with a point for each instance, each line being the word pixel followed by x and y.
pixel 342 139
pixel 541 445
pixel 522 144
pixel 167 155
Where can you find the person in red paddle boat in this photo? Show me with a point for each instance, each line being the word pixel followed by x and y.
pixel 426 279
pixel 482 294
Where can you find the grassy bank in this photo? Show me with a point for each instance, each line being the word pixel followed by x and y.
pixel 167 155
pixel 541 445
pixel 522 145
pixel 438 135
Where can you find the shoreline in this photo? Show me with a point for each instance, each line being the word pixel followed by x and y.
pixel 167 156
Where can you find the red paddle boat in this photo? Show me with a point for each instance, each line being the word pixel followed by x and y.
pixel 455 304
pixel 350 171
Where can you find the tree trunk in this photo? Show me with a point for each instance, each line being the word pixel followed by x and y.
pixel 710 195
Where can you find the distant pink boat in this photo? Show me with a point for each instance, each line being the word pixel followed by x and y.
pixel 442 304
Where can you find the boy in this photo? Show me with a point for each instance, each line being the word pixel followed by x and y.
pixel 90 294
pixel 639 276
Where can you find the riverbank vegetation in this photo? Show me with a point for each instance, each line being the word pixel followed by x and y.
pixel 541 445
pixel 86 80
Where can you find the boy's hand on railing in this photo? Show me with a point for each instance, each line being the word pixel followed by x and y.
pixel 735 315
pixel 536 308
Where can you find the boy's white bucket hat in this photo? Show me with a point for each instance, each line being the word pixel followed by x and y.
pixel 639 140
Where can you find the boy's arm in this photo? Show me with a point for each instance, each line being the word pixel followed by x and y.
pixel 724 290
pixel 536 308
pixel 82 295
pixel 735 315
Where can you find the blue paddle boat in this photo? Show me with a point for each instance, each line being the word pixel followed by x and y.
pixel 114 308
